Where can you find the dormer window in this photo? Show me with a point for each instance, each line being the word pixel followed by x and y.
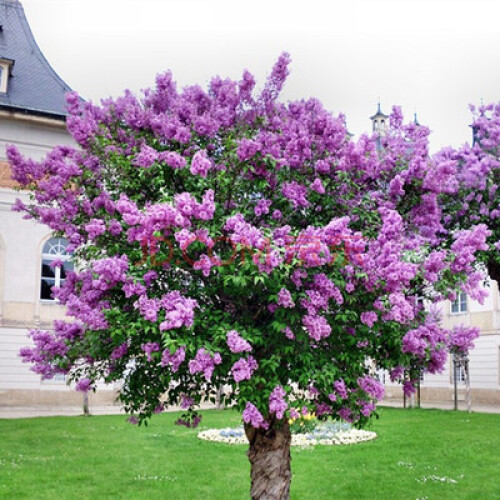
pixel 5 72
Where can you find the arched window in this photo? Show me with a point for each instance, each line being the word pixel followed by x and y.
pixel 55 264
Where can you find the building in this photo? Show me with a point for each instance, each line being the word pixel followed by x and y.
pixel 32 116
pixel 484 360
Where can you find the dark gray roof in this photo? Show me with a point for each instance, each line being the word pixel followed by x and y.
pixel 379 113
pixel 34 87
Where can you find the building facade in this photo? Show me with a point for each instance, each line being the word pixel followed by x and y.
pixel 32 117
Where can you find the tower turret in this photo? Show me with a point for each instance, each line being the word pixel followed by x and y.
pixel 379 122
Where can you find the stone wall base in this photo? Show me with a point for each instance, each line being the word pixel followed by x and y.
pixel 25 397
pixel 445 394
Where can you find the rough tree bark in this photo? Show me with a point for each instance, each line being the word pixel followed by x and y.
pixel 269 456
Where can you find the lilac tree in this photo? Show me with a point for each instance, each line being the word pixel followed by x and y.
pixel 470 176
pixel 223 238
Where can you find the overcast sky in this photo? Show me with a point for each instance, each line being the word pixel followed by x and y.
pixel 433 57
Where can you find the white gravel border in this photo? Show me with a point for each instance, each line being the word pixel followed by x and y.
pixel 351 436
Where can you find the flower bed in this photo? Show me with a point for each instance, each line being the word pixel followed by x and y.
pixel 323 434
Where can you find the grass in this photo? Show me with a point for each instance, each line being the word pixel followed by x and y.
pixel 107 458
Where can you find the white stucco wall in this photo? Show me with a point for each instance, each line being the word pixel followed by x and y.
pixel 22 240
pixel 34 138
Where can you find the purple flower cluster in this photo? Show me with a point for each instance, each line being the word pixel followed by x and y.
pixel 236 343
pixel 372 387
pixel 461 339
pixel 285 299
pixel 277 403
pixel 244 233
pixel 146 157
pixel 367 408
pixel 252 416
pixel 173 360
pixel 172 159
pixel 111 271
pixel 247 148
pixel 204 362
pixel 262 207
pixel 427 342
pixel 43 355
pixel 243 369
pixel 200 164
pixel 397 373
pixel 317 186
pixel 149 348
pixel 323 409
pixel 346 414
pixel 296 193
pixel 83 385
pixel 401 309
pixel 179 311
pixel 148 308
pixel 95 228
pixel 186 402
pixel 340 389
pixel 203 264
pixel 190 422
pixel 119 351
pixel 317 326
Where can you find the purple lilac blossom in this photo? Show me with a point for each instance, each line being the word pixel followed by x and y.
pixel 244 368
pixel 173 360
pixel 186 402
pixel 204 362
pixel 372 387
pixel 277 403
pixel 149 348
pixel 236 343
pixel 84 385
pixel 285 299
pixel 119 351
pixel 252 416
pixel 201 164
pixel 340 389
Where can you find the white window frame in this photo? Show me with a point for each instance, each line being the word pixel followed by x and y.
pixel 53 249
pixel 5 67
pixel 460 305
pixel 461 373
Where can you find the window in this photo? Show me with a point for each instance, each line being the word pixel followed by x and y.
pixel 5 71
pixel 459 305
pixel 460 373
pixel 54 252
pixel 381 375
pixel 458 368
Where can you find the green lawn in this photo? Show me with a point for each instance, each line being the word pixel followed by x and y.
pixel 105 457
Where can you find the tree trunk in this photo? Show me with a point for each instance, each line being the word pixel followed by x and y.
pixel 269 456
pixel 86 410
